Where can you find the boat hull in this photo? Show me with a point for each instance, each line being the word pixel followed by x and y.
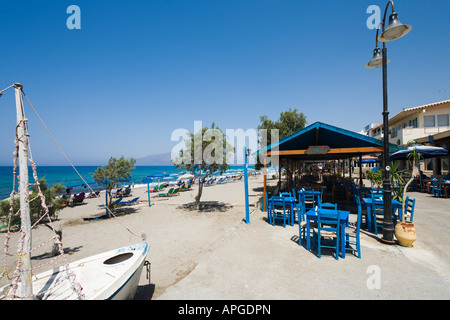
pixel 113 275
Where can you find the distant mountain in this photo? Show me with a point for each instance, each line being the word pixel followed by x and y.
pixel 162 159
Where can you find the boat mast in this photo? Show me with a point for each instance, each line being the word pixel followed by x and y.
pixel 25 255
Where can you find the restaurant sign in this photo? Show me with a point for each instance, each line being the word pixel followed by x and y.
pixel 317 149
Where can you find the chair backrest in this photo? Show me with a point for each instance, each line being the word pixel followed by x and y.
pixel 300 207
pixel 327 205
pixel 409 208
pixel 358 221
pixel 285 194
pixel 278 201
pixel 328 220
pixel 376 191
pixel 308 199
pixel 376 196
pixel 377 201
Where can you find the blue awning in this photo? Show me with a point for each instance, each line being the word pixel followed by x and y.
pixel 342 144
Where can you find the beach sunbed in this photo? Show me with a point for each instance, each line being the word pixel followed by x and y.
pixel 222 181
pixel 185 187
pixel 166 194
pixel 128 203
pixel 115 202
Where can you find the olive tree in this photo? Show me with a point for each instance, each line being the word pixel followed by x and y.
pixel 206 152
pixel 110 175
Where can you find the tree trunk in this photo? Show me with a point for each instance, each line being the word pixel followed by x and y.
pixel 415 171
pixel 201 180
pixel 199 194
pixel 109 207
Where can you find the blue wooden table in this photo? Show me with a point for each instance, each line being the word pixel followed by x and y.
pixel 311 215
pixel 396 205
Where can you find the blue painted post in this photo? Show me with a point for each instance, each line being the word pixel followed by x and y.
pixel 247 213
pixel 148 180
pixel 148 192
pixel 106 202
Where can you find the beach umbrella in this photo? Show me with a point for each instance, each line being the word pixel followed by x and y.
pixel 186 176
pixel 427 152
pixel 369 161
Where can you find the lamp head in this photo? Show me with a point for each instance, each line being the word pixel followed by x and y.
pixel 377 60
pixel 395 29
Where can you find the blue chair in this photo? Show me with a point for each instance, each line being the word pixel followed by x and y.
pixel 436 189
pixel 355 193
pixel 285 194
pixel 326 234
pixel 409 208
pixel 352 234
pixel 376 191
pixel 308 199
pixel 327 205
pixel 277 210
pixel 377 212
pixel 300 208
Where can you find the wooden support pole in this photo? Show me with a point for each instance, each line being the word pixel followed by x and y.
pixel 25 255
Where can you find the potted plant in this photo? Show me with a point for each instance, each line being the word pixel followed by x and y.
pixel 405 231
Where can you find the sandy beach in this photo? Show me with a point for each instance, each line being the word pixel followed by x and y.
pixel 214 254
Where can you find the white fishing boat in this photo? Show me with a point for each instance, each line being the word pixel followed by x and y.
pixel 112 275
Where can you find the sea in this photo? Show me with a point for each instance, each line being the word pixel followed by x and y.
pixel 66 176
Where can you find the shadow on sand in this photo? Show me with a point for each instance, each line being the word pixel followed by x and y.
pixel 206 206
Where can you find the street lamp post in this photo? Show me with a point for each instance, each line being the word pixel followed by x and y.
pixel 393 31
pixel 247 209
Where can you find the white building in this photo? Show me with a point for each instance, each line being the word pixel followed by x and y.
pixel 428 124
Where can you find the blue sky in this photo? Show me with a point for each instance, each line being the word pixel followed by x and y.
pixel 137 70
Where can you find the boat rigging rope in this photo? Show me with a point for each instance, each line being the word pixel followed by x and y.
pixel 51 136
pixel 48 131
pixel 70 275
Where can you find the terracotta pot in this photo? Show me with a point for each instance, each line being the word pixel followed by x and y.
pixel 405 233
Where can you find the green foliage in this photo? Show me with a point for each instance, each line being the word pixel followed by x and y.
pixel 415 157
pixel 289 123
pixel 36 210
pixel 395 176
pixel 205 152
pixel 375 178
pixel 109 176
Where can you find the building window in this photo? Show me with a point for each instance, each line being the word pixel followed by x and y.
pixel 442 120
pixel 413 123
pixel 429 164
pixel 444 164
pixel 429 121
pixel 395 131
